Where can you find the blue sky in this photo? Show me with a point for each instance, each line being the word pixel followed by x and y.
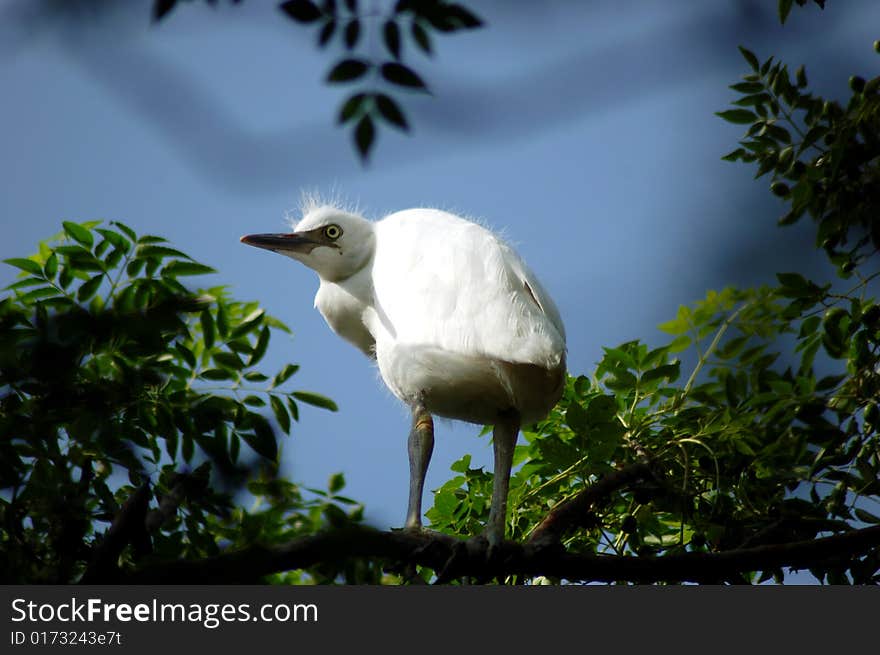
pixel 584 132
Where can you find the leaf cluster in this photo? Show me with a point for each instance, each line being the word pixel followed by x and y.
pixel 822 156
pixel 380 73
pixel 773 435
pixel 114 375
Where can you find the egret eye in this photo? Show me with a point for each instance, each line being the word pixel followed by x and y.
pixel 333 232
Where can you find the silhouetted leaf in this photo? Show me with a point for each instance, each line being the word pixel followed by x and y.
pixel 420 36
pixel 161 8
pixel 402 76
pixel 348 70
pixel 737 116
pixel 351 107
pixel 364 134
pixel 352 33
pixel 263 438
pixel 390 111
pixel 326 32
pixel 784 9
pixel 749 57
pixel 391 34
pixel 463 17
pixel 302 11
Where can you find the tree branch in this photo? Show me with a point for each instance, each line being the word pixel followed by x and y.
pixel 577 510
pixel 127 527
pixel 435 550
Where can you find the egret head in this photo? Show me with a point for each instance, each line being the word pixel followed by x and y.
pixel 333 243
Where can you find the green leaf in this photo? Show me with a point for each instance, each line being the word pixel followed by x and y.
pixel 402 76
pixel 280 412
pixel 737 116
pixel 336 483
pixel 315 399
pixel 150 251
pixel 187 354
pixel 126 230
pixel 178 268
pixel 747 87
pixel 784 8
pixel 293 408
pixel 50 268
pixel 254 401
pixel 27 282
pixel 89 288
pixel 260 347
pixel 79 233
pixel 262 440
pixel 27 265
pixel 348 70
pixel 795 285
pixel 866 516
pixel 229 360
pixel 216 374
pixel 150 239
pixel 669 372
pixel 577 419
pixel 249 323
pixel 208 329
pixel 116 239
pixel 749 57
pixel 284 375
pixel 222 321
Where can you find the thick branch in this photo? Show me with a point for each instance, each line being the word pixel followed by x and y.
pixel 127 527
pixel 435 551
pixel 575 511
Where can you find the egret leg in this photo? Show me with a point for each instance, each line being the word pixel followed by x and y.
pixel 504 437
pixel 421 445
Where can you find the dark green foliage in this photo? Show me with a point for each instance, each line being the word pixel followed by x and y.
pixel 114 377
pixel 821 155
pixel 379 78
pixel 785 7
pixel 759 418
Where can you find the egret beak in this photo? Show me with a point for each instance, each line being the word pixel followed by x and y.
pixel 292 242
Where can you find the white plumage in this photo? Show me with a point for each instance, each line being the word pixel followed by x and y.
pixel 458 324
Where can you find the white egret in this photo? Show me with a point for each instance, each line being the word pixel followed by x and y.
pixel 457 323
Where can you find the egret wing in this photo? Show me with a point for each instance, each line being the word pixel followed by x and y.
pixel 449 283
